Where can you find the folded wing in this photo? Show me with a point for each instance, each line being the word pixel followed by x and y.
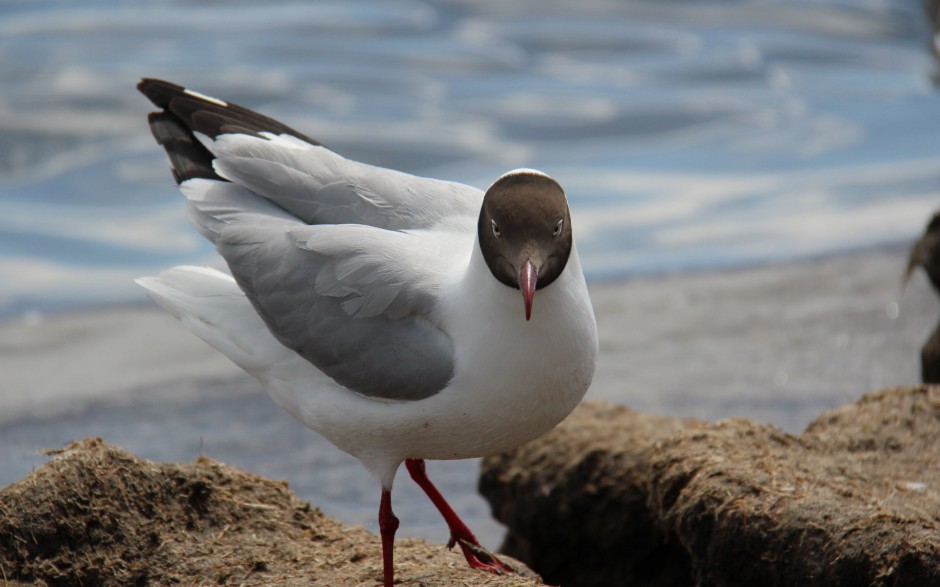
pixel 343 261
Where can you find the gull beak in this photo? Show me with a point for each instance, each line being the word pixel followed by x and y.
pixel 527 282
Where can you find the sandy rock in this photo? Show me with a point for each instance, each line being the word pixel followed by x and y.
pixel 614 497
pixel 96 515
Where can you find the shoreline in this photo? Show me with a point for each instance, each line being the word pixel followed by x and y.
pixel 726 331
pixel 777 343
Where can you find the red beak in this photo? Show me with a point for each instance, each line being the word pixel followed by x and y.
pixel 527 281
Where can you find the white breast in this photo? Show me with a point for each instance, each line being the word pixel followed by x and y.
pixel 514 380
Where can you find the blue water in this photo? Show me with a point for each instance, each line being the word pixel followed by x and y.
pixel 688 134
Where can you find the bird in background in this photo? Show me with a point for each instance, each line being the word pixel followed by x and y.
pixel 402 318
pixel 926 254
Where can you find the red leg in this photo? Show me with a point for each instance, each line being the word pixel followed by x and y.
pixel 388 524
pixel 477 556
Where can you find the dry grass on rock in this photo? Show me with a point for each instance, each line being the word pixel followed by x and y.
pixel 96 515
pixel 645 500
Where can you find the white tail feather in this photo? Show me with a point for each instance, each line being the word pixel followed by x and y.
pixel 210 304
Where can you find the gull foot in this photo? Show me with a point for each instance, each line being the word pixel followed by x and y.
pixel 481 558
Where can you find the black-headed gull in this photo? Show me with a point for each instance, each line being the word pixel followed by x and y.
pixel 380 309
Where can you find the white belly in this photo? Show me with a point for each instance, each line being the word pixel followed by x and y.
pixel 514 381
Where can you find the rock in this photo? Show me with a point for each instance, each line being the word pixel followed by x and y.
pixel 575 501
pixel 613 497
pixel 96 515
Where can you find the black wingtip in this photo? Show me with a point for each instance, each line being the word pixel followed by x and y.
pixel 184 112
pixel 209 115
pixel 189 159
pixel 158 91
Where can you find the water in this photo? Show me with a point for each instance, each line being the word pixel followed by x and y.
pixel 689 135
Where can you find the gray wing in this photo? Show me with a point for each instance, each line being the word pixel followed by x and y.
pixel 345 297
pixel 331 253
pixel 320 187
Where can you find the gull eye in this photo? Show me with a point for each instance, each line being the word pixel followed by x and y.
pixel 496 232
pixel 558 227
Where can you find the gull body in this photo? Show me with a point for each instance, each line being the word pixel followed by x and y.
pixel 380 309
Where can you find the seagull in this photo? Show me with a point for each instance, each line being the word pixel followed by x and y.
pixel 926 253
pixel 379 308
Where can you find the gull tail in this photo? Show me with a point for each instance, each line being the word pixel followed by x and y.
pixel 210 304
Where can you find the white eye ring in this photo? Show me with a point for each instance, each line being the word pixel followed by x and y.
pixel 558 227
pixel 496 232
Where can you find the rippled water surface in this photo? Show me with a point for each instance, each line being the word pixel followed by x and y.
pixel 688 134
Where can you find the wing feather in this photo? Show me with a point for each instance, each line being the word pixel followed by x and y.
pixel 321 187
pixel 345 297
pixel 343 261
